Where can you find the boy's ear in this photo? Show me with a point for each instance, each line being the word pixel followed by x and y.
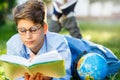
pixel 45 28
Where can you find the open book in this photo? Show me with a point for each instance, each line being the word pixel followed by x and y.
pixel 49 64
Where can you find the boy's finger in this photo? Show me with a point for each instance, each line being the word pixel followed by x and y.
pixel 39 76
pixel 27 76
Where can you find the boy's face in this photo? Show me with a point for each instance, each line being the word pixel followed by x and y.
pixel 32 35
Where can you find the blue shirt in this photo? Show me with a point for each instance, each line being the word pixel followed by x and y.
pixel 52 41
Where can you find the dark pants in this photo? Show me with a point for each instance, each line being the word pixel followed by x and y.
pixel 69 23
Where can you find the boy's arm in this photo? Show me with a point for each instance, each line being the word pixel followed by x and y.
pixel 64 51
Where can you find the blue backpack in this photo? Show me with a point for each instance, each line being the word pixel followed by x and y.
pixel 80 47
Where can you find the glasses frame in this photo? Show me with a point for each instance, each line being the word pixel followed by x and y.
pixel 38 27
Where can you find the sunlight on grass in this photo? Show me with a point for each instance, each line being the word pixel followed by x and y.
pixel 107 39
pixel 99 36
pixel 2 73
pixel 3 47
pixel 88 37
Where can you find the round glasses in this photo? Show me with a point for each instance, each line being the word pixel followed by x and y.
pixel 32 29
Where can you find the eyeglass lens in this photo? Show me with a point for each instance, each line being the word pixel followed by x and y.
pixel 32 29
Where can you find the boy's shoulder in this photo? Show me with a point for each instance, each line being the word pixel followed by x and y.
pixel 15 41
pixel 14 38
pixel 52 36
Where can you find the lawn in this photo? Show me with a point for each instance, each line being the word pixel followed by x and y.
pixel 104 33
pixel 100 32
pixel 6 31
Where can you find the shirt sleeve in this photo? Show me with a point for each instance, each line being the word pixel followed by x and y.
pixel 14 45
pixel 64 51
pixel 10 48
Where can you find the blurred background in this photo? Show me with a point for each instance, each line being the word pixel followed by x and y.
pixel 98 20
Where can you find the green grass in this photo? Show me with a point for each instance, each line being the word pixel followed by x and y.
pixel 101 33
pixel 106 34
pixel 6 31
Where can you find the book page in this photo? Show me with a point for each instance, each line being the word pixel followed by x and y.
pixel 52 69
pixel 13 71
pixel 47 57
pixel 14 66
pixel 14 59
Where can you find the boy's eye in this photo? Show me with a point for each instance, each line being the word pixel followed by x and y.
pixel 22 30
pixel 33 29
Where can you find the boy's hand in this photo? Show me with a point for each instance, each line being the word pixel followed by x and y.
pixel 37 76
